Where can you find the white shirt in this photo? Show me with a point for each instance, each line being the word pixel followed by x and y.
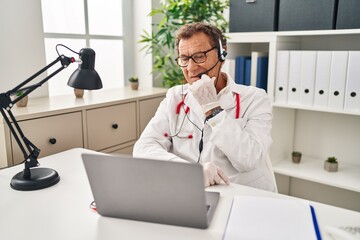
pixel 238 146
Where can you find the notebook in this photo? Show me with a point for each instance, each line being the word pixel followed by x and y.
pixel 253 217
pixel 150 190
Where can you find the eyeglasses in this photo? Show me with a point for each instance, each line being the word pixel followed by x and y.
pixel 199 57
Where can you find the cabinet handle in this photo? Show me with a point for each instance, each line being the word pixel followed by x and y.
pixel 115 126
pixel 52 140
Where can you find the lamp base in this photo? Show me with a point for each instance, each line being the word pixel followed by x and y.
pixel 40 178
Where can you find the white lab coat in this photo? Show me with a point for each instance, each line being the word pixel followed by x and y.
pixel 238 146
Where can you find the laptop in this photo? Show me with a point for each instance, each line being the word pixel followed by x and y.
pixel 150 190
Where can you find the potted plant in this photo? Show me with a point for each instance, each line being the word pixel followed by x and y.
pixel 79 93
pixel 24 101
pixel 134 83
pixel 161 42
pixel 331 164
pixel 296 156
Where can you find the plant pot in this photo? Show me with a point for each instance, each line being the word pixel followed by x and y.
pixel 134 85
pixel 23 102
pixel 296 157
pixel 79 93
pixel 331 167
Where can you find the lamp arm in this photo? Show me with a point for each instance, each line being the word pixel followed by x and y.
pixel 65 61
pixel 29 150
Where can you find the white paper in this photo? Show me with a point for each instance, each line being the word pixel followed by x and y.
pixel 269 218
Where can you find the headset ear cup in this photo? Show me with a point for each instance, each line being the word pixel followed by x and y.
pixel 223 56
pixel 221 53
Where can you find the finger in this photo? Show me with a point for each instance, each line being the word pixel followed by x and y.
pixel 205 77
pixel 223 176
pixel 212 181
pixel 206 184
pixel 217 179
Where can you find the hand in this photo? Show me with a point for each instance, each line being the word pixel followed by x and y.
pixel 205 93
pixel 214 175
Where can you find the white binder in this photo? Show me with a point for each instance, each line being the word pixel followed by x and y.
pixel 307 80
pixel 294 87
pixel 322 79
pixel 352 92
pixel 339 60
pixel 282 76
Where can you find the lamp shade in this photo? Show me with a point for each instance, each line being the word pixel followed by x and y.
pixel 85 77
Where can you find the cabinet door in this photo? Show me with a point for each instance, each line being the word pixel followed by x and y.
pixel 110 126
pixel 51 134
pixel 148 108
pixel 126 150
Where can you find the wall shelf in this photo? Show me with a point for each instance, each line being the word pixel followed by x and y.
pixel 312 169
pixel 317 109
pixel 315 131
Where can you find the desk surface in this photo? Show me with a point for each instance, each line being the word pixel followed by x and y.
pixel 62 211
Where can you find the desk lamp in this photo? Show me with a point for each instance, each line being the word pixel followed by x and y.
pixel 84 77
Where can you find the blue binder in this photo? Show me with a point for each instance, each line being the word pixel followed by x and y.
pixel 247 72
pixel 240 69
pixel 262 72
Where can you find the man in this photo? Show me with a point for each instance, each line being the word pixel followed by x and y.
pixel 211 120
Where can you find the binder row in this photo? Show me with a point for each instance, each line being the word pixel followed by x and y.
pixel 252 70
pixel 327 79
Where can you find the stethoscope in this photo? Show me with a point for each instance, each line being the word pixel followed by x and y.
pixel 181 105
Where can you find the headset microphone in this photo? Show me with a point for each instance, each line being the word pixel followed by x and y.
pixel 205 72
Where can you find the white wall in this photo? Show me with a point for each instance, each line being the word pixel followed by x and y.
pixel 142 62
pixel 21 43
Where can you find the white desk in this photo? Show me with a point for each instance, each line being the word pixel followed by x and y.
pixel 62 211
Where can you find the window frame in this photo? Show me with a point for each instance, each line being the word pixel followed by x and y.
pixel 128 45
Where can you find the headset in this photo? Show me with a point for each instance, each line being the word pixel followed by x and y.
pixel 221 52
pixel 221 57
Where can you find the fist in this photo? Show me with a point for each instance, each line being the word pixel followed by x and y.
pixel 205 93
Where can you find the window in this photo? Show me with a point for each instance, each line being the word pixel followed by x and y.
pixel 88 23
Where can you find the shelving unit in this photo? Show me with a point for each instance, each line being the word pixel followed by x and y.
pixel 316 132
pixel 312 169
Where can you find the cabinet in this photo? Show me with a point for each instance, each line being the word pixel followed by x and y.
pixel 105 120
pixel 51 134
pixel 317 132
pixel 110 126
